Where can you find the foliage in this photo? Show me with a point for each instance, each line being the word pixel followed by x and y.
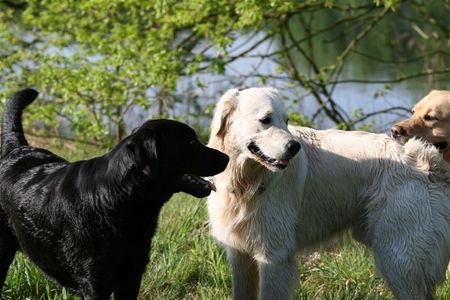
pixel 299 120
pixel 95 61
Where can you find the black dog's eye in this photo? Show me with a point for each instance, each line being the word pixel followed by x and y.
pixel 266 120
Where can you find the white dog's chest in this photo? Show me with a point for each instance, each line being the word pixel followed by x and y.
pixel 251 227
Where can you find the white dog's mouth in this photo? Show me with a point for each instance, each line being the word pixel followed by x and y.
pixel 441 145
pixel 266 160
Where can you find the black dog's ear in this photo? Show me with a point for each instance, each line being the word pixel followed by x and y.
pixel 143 151
pixel 152 165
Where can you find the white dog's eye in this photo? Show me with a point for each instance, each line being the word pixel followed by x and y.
pixel 266 120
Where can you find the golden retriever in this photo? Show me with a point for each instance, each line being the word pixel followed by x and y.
pixel 278 197
pixel 430 121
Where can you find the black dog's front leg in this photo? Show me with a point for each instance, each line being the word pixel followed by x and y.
pixel 95 291
pixel 7 251
pixel 128 290
pixel 8 248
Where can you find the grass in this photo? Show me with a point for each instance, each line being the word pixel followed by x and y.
pixel 185 263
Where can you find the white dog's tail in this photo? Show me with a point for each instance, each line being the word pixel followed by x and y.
pixel 427 159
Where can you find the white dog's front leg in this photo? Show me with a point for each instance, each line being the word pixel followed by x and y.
pixel 244 275
pixel 277 279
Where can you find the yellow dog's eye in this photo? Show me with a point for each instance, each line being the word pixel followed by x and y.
pixel 429 118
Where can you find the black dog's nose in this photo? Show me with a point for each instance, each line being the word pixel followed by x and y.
pixel 293 147
pixel 397 130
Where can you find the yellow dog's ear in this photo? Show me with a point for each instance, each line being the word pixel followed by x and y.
pixel 222 115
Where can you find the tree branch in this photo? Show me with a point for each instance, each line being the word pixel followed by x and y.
pixel 400 61
pixel 64 138
pixel 379 112
pixel 342 58
pixel 395 80
pixel 14 4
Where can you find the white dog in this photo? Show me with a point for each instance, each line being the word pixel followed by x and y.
pixel 271 203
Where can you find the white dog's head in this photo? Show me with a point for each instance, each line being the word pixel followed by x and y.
pixel 253 123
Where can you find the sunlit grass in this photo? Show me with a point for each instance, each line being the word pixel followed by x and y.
pixel 185 263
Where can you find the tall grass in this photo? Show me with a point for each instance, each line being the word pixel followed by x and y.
pixel 185 263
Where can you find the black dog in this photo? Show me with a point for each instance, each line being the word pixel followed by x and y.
pixel 89 224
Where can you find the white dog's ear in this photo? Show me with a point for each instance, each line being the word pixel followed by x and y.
pixel 222 115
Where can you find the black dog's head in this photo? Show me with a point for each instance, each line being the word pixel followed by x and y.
pixel 169 152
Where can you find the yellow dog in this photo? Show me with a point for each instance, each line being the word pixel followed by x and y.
pixel 430 121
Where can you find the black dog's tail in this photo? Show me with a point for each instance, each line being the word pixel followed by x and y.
pixel 12 130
